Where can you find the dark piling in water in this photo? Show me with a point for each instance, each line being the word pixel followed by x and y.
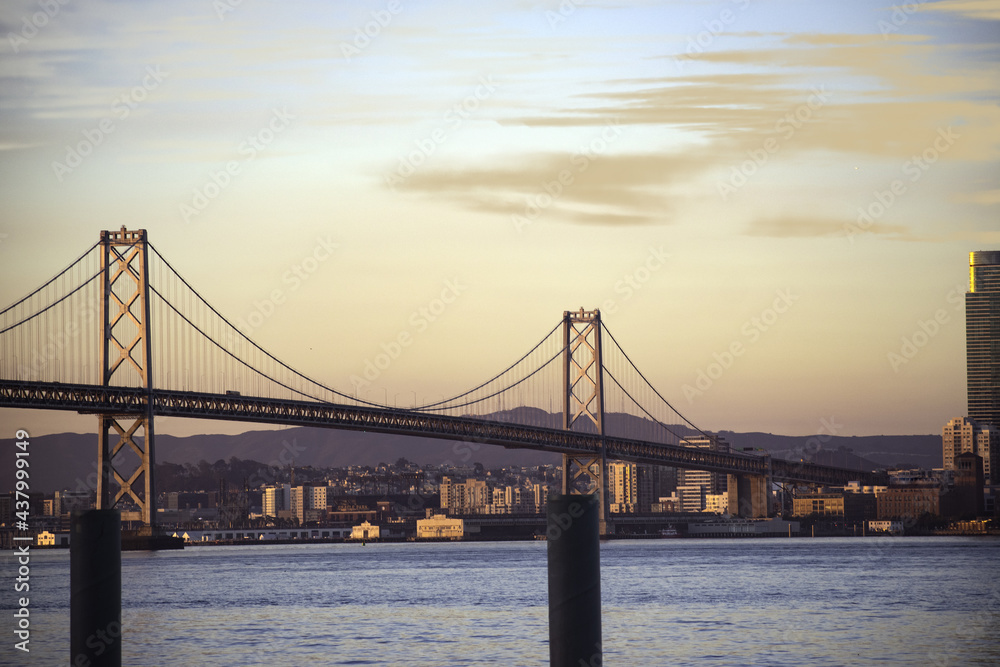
pixel 95 554
pixel 574 554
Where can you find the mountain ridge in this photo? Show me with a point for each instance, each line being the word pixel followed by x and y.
pixel 68 460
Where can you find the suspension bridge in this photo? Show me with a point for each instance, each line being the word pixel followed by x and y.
pixel 90 338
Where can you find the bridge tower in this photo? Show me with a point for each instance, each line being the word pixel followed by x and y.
pixel 583 401
pixel 126 356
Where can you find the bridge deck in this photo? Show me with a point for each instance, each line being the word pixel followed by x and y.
pixel 133 401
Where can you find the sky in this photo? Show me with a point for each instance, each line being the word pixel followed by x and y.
pixel 772 203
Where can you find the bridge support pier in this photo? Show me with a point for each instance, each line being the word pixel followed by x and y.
pixel 126 360
pixel 749 496
pixel 583 401
pixel 131 484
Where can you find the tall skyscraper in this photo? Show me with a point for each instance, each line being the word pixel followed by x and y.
pixel 982 337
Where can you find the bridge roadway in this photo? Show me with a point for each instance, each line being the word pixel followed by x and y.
pixel 133 401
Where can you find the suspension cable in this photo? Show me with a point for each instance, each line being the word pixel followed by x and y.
pixel 650 385
pixel 496 393
pixel 498 375
pixel 249 340
pixel 75 262
pixel 219 345
pixel 51 305
pixel 667 428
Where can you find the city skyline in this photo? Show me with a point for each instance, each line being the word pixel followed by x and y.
pixel 772 205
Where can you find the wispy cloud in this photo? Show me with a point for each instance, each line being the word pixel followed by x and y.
pixel 805 227
pixel 607 189
pixel 975 9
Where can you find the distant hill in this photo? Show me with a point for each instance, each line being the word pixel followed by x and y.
pixel 64 461
pixel 902 451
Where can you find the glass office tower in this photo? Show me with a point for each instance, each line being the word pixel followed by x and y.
pixel 982 337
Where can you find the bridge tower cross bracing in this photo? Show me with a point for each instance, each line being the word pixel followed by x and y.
pixel 126 356
pixel 583 400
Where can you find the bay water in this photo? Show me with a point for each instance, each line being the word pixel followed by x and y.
pixel 779 601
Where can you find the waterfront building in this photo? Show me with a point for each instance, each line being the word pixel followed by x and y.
pixel 666 504
pixel 824 504
pixel 365 531
pixel 917 475
pixel 734 527
pixel 891 526
pixel 965 499
pixel 691 498
pixel 982 337
pixel 440 526
pixel 348 511
pixel 908 502
pixel 965 435
pixel 850 506
pixel 717 503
